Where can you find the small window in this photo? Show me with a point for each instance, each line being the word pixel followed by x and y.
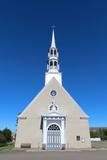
pixel 78 138
pixel 54 52
pixel 51 51
pixel 51 63
pixel 51 107
pixel 55 63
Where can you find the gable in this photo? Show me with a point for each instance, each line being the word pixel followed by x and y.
pixel 65 103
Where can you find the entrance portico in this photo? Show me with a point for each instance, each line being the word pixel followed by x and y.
pixel 53 130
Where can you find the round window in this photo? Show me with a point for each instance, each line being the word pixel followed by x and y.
pixel 53 93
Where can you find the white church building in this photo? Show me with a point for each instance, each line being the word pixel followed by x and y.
pixel 53 120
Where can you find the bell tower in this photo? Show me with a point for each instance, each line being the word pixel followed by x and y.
pixel 53 63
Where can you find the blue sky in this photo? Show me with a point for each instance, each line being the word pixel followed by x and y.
pixel 81 36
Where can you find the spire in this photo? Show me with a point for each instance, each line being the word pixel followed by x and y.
pixel 53 44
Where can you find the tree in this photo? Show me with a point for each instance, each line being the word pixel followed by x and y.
pixel 102 133
pixel 2 139
pixel 105 133
pixel 8 134
pixel 94 134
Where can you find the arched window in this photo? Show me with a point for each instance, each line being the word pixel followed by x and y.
pixel 51 51
pixel 55 63
pixel 51 63
pixel 53 107
pixel 53 127
pixel 54 52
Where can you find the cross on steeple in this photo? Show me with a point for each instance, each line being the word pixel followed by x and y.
pixel 53 26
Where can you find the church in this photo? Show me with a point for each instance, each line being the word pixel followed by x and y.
pixel 53 120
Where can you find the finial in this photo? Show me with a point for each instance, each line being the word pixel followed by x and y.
pixel 53 45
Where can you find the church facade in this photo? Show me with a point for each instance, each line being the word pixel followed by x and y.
pixel 53 120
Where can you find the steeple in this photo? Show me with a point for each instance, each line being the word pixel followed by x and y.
pixel 53 62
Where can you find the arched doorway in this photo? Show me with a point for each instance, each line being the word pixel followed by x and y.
pixel 53 137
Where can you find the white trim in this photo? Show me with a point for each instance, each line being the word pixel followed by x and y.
pixel 44 131
pixel 62 132
pixel 52 74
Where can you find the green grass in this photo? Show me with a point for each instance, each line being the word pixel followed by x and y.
pixel 6 147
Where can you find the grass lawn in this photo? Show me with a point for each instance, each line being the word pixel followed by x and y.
pixel 7 147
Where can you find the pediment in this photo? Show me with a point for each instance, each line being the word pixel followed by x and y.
pixel 67 105
pixel 54 114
